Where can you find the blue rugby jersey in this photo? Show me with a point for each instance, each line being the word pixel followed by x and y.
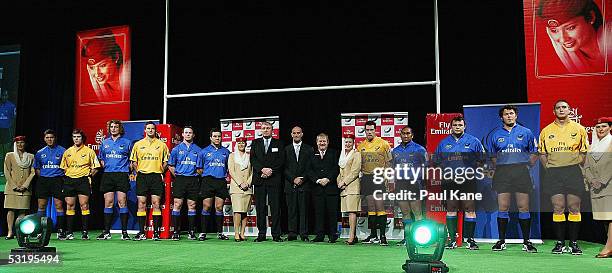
pixel 185 159
pixel 48 160
pixel 214 161
pixel 462 152
pixel 115 154
pixel 511 147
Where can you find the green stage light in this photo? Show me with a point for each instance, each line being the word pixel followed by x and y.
pixel 422 235
pixel 27 226
pixel 33 233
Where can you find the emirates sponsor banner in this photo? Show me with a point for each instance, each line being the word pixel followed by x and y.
pixel 388 127
pixel 102 80
pixel 481 121
pixel 568 50
pixel 170 135
pixel 438 126
pixel 231 129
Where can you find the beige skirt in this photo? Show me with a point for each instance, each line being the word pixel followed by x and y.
pixel 602 208
pixel 13 201
pixel 350 203
pixel 241 202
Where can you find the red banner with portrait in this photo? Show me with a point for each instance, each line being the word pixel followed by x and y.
pixel 568 49
pixel 103 75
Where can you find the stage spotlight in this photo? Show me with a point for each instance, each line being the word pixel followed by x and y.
pixel 33 233
pixel 421 236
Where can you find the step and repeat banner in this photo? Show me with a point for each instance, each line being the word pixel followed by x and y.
pixel 231 129
pixel 568 50
pixel 481 121
pixel 388 127
pixel 102 80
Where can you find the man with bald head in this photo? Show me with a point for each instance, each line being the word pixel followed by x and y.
pixel 297 186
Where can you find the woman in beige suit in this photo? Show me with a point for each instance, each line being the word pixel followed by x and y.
pixel 240 187
pixel 348 182
pixel 19 173
pixel 598 174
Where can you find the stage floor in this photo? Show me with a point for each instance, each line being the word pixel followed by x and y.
pixel 229 256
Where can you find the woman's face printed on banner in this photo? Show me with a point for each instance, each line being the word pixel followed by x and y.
pixel 575 34
pixel 104 73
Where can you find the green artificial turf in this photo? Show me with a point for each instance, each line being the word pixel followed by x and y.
pixel 229 256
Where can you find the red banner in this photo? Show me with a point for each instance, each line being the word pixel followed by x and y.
pixel 171 135
pixel 438 126
pixel 568 49
pixel 102 80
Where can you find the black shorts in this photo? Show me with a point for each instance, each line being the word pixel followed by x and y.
pixel 407 185
pixel 76 186
pixel 368 186
pixel 563 180
pixel 213 187
pixel 49 186
pixel 512 178
pixel 468 186
pixel 112 182
pixel 149 184
pixel 186 187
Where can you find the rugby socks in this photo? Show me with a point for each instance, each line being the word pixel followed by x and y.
pixel 559 226
pixel 85 219
pixel 470 225
pixel 69 219
pixel 372 223
pixel 382 222
pixel 205 219
pixel 108 218
pixel 451 225
pixel 142 220
pixel 156 220
pixel 502 223
pixel 175 220
pixel 191 218
pixel 60 220
pixel 219 221
pixel 525 222
pixel 573 226
pixel 123 214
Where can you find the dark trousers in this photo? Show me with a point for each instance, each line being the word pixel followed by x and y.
pixel 326 215
pixel 272 192
pixel 297 202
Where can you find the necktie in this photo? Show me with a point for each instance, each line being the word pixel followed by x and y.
pixel 266 144
pixel 297 152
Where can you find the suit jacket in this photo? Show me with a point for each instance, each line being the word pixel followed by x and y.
pixel 324 168
pixel 274 159
pixel 297 167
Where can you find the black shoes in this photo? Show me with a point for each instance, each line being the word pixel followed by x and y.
pixel 260 239
pixel 318 239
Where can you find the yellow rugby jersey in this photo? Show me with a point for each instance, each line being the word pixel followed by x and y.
pixel 78 162
pixel 375 153
pixel 563 145
pixel 149 155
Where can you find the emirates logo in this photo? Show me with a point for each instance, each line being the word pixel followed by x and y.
pixel 99 136
pixel 574 115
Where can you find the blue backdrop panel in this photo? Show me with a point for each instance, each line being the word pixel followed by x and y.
pixel 480 121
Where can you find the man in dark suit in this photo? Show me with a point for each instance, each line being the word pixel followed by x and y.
pixel 267 158
pixel 323 172
pixel 297 186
